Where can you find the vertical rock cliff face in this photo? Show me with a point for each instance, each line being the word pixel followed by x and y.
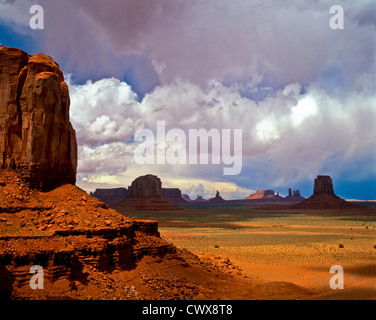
pixel 146 187
pixel 323 184
pixel 36 136
pixel 324 197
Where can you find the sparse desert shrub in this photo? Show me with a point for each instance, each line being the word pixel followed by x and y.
pixel 216 246
pixel 341 246
pixel 374 246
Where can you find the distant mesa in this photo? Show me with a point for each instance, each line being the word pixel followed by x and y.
pixel 148 195
pixel 110 196
pixel 145 194
pixel 199 199
pixel 113 196
pixel 263 194
pixel 324 197
pixel 174 195
pixel 36 136
pixel 269 195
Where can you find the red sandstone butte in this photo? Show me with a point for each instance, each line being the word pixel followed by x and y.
pixel 324 197
pixel 145 194
pixel 36 136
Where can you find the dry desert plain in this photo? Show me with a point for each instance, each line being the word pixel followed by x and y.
pixel 277 247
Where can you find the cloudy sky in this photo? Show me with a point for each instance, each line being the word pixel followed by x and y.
pixel 303 94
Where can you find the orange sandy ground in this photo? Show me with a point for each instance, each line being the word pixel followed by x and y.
pixel 289 250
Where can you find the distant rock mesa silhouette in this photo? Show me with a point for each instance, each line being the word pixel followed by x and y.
pixel 110 196
pixel 324 197
pixel 145 194
pixel 217 198
pixel 323 184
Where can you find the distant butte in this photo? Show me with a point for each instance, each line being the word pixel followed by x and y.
pixel 324 197
pixel 217 199
pixel 145 194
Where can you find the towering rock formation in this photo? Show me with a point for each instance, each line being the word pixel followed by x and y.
pixel 217 199
pixel 296 193
pixel 145 194
pixel 36 136
pixel 324 197
pixel 294 196
pixel 323 185
pixel 147 186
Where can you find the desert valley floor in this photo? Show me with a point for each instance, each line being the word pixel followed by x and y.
pixel 281 248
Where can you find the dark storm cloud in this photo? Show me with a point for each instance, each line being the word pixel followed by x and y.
pixel 275 42
pixel 303 94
